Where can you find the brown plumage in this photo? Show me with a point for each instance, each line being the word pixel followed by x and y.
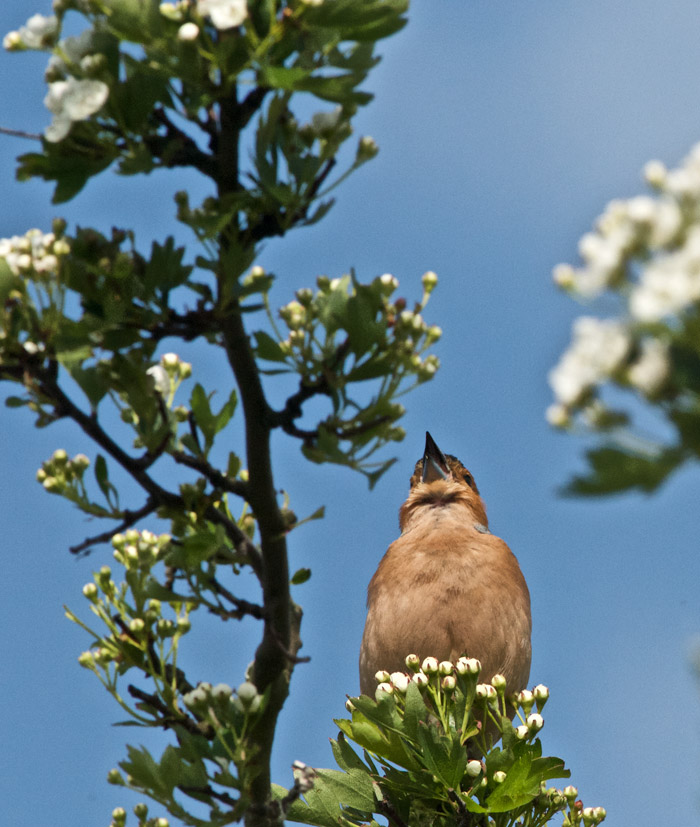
pixel 446 587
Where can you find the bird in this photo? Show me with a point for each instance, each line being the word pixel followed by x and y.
pixel 447 586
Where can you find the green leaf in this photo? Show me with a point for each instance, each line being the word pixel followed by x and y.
pixel 16 402
pixel 268 348
pixel 443 757
pixel 333 791
pixel 615 470
pixel 345 756
pixel 300 576
pixel 102 478
pixel 363 20
pixel 70 163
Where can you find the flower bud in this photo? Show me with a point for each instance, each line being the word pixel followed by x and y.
pixel 400 682
pixel 137 625
pixel 526 700
pixel 115 777
pixel 188 32
pixel 80 462
pixel 165 628
pixel 420 679
pixel 430 666
pixel 535 722
pixel 412 662
pixel 247 692
pixel 469 666
pixel 474 768
pixel 388 283
pixel 141 810
pixel 499 777
pixel 570 793
pixel 366 149
pixel 161 822
pixel 449 682
pixel 87 659
pixel 383 690
pixel 522 732
pixel 221 692
pixel 541 695
pixel 499 683
pixel 446 667
pixel 382 676
pixel 349 705
pixel 183 625
pixel 429 281
pixel 90 591
pixel 119 816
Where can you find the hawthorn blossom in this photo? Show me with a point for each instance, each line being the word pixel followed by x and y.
pixel 225 14
pixel 72 100
pixel 598 348
pixel 38 33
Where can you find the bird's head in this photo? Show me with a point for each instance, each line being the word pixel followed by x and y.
pixel 441 480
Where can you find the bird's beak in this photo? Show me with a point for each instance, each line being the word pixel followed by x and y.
pixel 434 462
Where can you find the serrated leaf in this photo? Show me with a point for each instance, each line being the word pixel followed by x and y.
pixel 345 755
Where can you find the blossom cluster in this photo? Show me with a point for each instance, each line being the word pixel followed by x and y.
pixel 34 253
pixel 74 93
pixel 411 334
pixel 59 472
pixel 646 251
pixel 450 690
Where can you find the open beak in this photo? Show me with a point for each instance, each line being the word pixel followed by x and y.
pixel 434 462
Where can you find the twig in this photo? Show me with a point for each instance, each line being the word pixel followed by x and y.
pixel 170 719
pixel 243 607
pixel 224 798
pixel 129 518
pixel 19 133
pixel 215 477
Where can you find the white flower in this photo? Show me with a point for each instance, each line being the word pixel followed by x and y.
pixel 324 123
pixel 651 368
pixel 655 174
pixel 188 32
pixel 669 283
pixel 38 32
pixel 598 348
pixel 160 377
pixel 225 14
pixel 72 100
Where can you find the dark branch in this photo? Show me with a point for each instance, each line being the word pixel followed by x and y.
pixel 176 148
pixel 19 133
pixel 224 798
pixel 129 518
pixel 169 719
pixel 215 477
pixel 243 607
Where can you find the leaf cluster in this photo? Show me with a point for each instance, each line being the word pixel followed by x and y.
pixel 427 757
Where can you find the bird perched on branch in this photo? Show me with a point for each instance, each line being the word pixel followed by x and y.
pixel 446 587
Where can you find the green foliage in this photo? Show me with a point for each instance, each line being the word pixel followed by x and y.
pixel 83 321
pixel 427 756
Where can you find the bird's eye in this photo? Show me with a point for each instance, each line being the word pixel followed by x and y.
pixel 469 479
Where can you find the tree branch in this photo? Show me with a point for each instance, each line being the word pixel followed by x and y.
pixel 129 518
pixel 215 477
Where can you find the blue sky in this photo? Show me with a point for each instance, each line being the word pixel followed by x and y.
pixel 504 129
